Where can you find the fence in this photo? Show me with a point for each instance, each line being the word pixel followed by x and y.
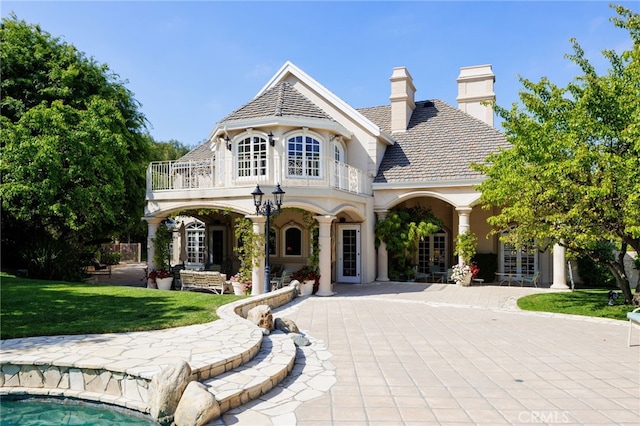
pixel 129 252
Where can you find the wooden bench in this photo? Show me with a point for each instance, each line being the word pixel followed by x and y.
pixel 633 316
pixel 212 281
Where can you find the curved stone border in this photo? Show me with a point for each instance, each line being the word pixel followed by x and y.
pixel 117 368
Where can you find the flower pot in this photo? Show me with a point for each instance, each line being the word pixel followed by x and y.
pixel 466 280
pixel 306 288
pixel 238 288
pixel 164 283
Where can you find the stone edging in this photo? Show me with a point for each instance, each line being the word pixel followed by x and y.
pixel 124 388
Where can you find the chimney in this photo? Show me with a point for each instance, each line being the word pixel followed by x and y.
pixel 475 85
pixel 402 99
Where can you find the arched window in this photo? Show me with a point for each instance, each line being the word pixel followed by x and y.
pixel 195 243
pixel 303 157
pixel 252 157
pixel 293 241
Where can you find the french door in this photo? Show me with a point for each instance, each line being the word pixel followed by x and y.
pixel 348 266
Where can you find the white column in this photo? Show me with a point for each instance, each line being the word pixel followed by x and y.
pixel 463 223
pixel 257 274
pixel 324 240
pixel 152 228
pixel 559 267
pixel 383 255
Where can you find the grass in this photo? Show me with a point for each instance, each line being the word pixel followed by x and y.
pixel 31 307
pixel 592 303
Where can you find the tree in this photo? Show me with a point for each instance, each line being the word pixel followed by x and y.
pixel 402 230
pixel 73 154
pixel 572 175
pixel 168 151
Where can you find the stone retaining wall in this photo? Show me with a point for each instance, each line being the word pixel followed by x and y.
pixel 119 388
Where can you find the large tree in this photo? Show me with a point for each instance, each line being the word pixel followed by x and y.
pixel 73 143
pixel 572 175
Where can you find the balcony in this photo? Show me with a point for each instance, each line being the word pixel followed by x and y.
pixel 227 173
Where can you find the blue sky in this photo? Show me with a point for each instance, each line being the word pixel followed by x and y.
pixel 191 63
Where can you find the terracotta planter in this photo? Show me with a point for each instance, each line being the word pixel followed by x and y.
pixel 164 283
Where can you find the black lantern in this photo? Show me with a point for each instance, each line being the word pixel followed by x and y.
pixel 267 209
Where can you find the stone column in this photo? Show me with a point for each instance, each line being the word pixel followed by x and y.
pixel 324 240
pixel 559 267
pixel 152 228
pixel 383 255
pixel 257 274
pixel 463 223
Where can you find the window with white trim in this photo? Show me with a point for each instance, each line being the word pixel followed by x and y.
pixel 195 242
pixel 303 156
pixel 520 261
pixel 252 157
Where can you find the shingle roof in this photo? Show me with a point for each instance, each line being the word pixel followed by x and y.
pixel 201 152
pixel 439 145
pixel 282 100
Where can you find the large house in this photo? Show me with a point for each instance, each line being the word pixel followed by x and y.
pixel 342 169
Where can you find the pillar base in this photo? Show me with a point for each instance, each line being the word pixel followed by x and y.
pixel 383 279
pixel 325 293
pixel 559 286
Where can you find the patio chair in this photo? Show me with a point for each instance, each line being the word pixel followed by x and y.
pixel 533 279
pixel 283 280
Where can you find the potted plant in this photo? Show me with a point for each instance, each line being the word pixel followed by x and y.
pixel 466 246
pixel 162 245
pixel 308 277
pixel 241 283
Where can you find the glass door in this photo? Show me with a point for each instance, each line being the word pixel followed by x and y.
pixel 348 267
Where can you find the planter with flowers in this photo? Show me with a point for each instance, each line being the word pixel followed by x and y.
pixel 240 284
pixel 463 274
pixel 163 279
pixel 309 280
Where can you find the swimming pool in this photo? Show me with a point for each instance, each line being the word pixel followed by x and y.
pixel 58 411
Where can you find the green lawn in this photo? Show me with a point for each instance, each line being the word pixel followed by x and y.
pixel 31 307
pixel 592 303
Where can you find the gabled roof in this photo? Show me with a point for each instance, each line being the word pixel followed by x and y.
pixel 281 100
pixel 439 144
pixel 201 152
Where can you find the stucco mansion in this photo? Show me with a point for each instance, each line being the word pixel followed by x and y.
pixel 345 168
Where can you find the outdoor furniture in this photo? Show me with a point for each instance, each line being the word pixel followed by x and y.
pixel 533 279
pixel 283 280
pixel 437 274
pixel 506 277
pixel 633 316
pixel 419 276
pixel 99 268
pixel 212 281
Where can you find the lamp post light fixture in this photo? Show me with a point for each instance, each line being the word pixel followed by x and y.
pixel 267 209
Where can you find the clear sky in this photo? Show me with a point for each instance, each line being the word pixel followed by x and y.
pixel 191 63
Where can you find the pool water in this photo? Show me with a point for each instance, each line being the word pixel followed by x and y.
pixel 56 412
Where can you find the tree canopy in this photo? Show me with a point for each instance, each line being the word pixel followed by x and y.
pixel 572 175
pixel 74 150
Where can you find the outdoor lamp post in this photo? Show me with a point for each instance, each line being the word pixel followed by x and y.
pixel 267 209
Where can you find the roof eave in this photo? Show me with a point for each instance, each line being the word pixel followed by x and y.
pixel 427 183
pixel 271 121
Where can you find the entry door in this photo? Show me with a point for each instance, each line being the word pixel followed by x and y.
pixel 348 267
pixel 217 244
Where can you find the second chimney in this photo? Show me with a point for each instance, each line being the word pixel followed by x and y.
pixel 402 99
pixel 475 85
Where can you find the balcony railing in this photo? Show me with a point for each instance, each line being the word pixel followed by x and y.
pixel 208 174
